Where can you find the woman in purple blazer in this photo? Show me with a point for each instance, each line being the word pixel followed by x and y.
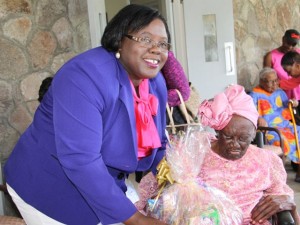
pixel 102 118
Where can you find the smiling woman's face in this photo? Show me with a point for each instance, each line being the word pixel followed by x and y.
pixel 144 62
pixel 235 138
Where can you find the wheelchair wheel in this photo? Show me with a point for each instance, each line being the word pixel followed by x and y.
pixel 294 166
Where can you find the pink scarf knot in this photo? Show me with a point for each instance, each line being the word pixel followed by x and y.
pixel 218 112
pixel 146 106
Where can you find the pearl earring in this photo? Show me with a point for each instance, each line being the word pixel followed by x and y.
pixel 118 55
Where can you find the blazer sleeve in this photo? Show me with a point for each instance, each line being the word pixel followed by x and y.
pixel 78 134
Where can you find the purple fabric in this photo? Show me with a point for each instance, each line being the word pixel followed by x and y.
pixel 175 79
pixel 72 160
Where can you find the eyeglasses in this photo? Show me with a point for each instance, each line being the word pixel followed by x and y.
pixel 271 81
pixel 149 43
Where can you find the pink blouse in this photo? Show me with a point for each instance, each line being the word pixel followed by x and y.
pixel 283 76
pixel 258 173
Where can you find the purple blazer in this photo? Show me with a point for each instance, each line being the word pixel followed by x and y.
pixel 72 160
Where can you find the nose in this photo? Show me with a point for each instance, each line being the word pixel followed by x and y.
pixel 155 49
pixel 234 143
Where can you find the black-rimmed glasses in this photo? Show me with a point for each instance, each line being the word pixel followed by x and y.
pixel 149 43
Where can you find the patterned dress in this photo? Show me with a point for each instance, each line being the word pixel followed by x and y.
pixel 258 173
pixel 273 107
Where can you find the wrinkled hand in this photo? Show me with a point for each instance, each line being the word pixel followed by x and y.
pixel 270 205
pixel 294 102
pixel 140 219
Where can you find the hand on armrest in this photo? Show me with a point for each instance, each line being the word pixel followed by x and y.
pixel 270 205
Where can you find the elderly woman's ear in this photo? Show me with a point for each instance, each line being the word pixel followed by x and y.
pixel 254 134
pixel 262 122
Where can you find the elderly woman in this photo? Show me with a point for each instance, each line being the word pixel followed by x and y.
pixel 272 105
pixel 254 178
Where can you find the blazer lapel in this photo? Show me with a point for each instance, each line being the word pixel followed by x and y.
pixel 127 98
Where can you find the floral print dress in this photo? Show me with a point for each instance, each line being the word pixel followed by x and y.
pixel 273 107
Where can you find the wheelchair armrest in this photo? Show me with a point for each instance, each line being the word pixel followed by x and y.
pixel 283 218
pixel 276 130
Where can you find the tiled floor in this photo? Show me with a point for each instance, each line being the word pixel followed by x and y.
pixel 295 186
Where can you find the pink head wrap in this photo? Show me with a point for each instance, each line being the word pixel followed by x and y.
pixel 234 100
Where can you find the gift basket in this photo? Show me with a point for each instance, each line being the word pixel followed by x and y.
pixel 176 195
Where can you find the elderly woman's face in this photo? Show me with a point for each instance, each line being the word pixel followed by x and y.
pixel 269 83
pixel 145 52
pixel 235 138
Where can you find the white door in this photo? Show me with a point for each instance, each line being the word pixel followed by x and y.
pixel 209 34
pixel 97 20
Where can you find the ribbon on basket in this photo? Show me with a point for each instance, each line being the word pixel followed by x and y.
pixel 163 176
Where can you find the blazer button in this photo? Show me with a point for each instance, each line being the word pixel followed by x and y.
pixel 120 176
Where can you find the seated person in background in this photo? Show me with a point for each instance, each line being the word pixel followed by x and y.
pixel 272 105
pixel 254 178
pixel 273 58
pixel 175 79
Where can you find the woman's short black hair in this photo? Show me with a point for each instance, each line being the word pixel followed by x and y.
pixel 290 58
pixel 131 18
pixel 292 37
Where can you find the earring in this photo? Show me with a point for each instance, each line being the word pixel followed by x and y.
pixel 118 55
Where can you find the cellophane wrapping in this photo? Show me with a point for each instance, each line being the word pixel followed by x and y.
pixel 188 201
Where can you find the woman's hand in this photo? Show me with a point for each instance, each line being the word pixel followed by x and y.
pixel 294 102
pixel 270 205
pixel 139 219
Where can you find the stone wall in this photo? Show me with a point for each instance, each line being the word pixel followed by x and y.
pixel 259 27
pixel 36 38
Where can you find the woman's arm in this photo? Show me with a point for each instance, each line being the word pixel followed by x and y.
pixel 268 60
pixel 139 219
pixel 289 84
